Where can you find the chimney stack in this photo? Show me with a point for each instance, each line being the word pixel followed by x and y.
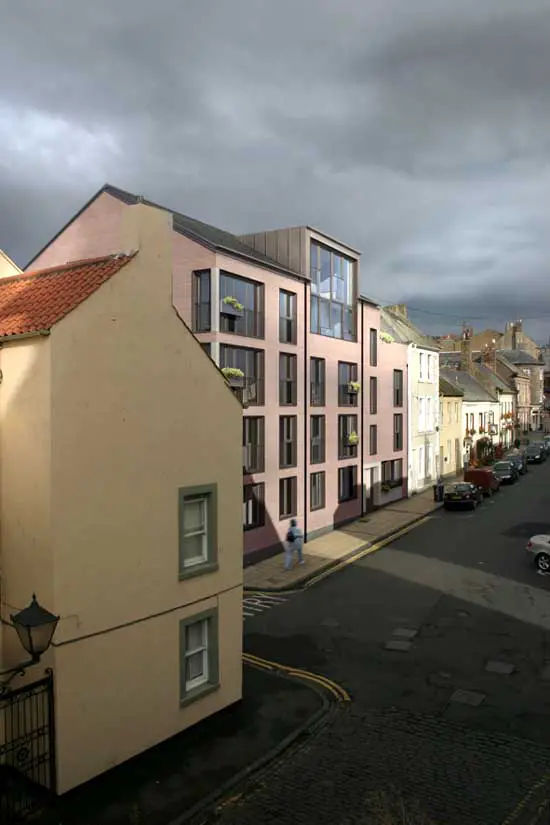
pixel 489 355
pixel 466 349
pixel 399 309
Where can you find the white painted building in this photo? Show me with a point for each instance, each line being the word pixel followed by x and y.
pixel 480 409
pixel 423 398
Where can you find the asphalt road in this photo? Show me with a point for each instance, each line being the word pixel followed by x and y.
pixel 461 597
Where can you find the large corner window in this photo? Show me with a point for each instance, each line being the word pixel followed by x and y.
pixel 201 301
pixel 251 363
pixel 332 305
pixel 241 306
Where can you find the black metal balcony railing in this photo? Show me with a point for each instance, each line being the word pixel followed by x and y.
pixel 250 324
pixel 249 391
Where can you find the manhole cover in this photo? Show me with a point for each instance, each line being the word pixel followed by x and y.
pixel 500 667
pixel 330 623
pixel 397 645
pixel 468 697
pixel 405 632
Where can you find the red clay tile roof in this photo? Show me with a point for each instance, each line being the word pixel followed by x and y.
pixel 35 301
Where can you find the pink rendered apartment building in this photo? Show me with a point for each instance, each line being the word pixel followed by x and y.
pixel 324 390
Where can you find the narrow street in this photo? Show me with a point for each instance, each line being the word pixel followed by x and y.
pixel 443 641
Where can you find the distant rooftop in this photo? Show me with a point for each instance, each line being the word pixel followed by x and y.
pixel 403 330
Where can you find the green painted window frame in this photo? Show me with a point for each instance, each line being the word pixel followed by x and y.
pixel 213 652
pixel 210 493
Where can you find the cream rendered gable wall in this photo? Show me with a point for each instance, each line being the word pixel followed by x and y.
pixel 7 266
pixel 423 417
pixel 138 411
pixel 25 454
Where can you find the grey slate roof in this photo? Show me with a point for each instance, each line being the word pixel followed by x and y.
pixel 504 361
pixel 450 359
pixel 449 389
pixel 518 356
pixel 404 331
pixel 495 380
pixel 473 391
pixel 203 233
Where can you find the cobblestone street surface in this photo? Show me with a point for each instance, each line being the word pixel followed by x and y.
pixel 454 775
pixel 443 641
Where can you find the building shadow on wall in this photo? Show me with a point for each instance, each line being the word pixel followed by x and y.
pixel 271 541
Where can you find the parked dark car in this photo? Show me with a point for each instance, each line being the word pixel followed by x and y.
pixel 462 494
pixel 534 454
pixel 520 463
pixel 505 472
pixel 544 446
pixel 484 478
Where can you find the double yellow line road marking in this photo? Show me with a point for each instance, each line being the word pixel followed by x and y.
pixel 335 690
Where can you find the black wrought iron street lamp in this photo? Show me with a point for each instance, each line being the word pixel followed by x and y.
pixel 35 627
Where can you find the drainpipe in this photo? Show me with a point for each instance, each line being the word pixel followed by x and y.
pixel 361 423
pixel 306 408
pixel 215 314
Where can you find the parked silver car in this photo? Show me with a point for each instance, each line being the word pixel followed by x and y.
pixel 539 549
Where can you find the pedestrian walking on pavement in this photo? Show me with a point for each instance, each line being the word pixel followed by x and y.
pixel 293 544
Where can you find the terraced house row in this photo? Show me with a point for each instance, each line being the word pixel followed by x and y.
pixel 322 371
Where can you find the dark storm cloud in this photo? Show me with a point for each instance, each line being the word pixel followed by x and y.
pixel 417 132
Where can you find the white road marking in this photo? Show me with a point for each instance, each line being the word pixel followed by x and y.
pixel 252 605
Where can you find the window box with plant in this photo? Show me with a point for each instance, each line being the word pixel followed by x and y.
pixel 388 486
pixel 231 308
pixel 354 387
pixel 352 439
pixel 234 377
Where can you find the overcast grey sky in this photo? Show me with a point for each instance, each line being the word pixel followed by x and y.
pixel 415 130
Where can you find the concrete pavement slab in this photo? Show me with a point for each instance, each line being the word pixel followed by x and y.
pixel 506 668
pixel 405 632
pixel 395 644
pixel 467 697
